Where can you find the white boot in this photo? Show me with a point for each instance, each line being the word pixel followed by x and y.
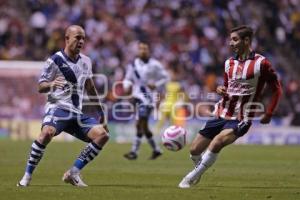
pixel 74 179
pixel 24 182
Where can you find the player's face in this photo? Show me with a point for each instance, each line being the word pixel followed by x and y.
pixel 144 51
pixel 237 45
pixel 75 40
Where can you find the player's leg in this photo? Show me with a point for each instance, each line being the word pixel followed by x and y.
pixel 133 154
pixel 233 129
pixel 143 111
pixel 36 153
pixel 211 128
pixel 156 151
pixel 51 126
pixel 88 130
pixel 198 146
pixel 144 114
pixel 208 158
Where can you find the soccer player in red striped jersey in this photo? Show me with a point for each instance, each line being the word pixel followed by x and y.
pixel 246 75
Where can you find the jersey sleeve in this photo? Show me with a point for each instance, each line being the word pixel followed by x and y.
pixel 162 75
pixel 226 72
pixel 90 68
pixel 270 77
pixel 49 71
pixel 225 79
pixel 128 80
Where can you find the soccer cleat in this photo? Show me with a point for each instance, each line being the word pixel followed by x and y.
pixel 73 179
pixel 185 183
pixel 24 182
pixel 196 180
pixel 155 154
pixel 131 156
pixel 188 181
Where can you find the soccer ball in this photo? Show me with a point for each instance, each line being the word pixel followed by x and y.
pixel 174 138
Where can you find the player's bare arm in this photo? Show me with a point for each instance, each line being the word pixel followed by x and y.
pixel 45 87
pixel 92 92
pixel 221 90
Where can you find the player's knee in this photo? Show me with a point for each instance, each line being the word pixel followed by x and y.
pixel 48 132
pixel 102 133
pixel 148 134
pixel 193 149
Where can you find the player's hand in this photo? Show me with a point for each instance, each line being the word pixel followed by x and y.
pixel 103 122
pixel 265 119
pixel 151 86
pixel 106 128
pixel 59 83
pixel 221 90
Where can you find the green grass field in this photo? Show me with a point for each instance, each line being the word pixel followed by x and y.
pixel 241 172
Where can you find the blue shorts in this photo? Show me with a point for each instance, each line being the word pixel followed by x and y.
pixel 214 126
pixel 143 111
pixel 75 124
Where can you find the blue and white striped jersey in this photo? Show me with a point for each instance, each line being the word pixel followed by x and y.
pixel 75 74
pixel 140 74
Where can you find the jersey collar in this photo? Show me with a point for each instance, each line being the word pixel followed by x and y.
pixel 251 56
pixel 70 59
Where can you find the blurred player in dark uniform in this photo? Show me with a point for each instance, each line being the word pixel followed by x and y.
pixel 143 77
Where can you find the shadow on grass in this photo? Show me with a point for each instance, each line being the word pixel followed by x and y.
pixel 140 186
pixel 247 187
pixel 156 186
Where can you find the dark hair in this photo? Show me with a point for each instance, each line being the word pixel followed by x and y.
pixel 243 31
pixel 144 42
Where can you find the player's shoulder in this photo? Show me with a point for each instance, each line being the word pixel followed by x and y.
pixel 54 56
pixel 131 63
pixel 155 62
pixel 84 57
pixel 227 63
pixel 54 59
pixel 258 56
pixel 230 59
pixel 263 61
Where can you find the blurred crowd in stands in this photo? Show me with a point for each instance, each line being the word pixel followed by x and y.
pixel 189 37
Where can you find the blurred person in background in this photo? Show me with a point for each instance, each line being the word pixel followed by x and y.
pixel 144 77
pixel 171 109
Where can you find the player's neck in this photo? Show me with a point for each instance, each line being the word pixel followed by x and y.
pixel 245 54
pixel 70 54
pixel 145 60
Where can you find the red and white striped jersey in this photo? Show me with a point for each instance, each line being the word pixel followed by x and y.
pixel 245 81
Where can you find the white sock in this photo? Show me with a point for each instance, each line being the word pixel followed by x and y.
pixel 27 175
pixel 208 159
pixel 74 170
pixel 196 158
pixel 136 144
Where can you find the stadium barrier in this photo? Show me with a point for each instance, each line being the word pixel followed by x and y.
pixel 124 132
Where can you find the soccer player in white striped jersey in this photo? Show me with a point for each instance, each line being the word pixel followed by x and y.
pixel 66 75
pixel 246 74
pixel 143 77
